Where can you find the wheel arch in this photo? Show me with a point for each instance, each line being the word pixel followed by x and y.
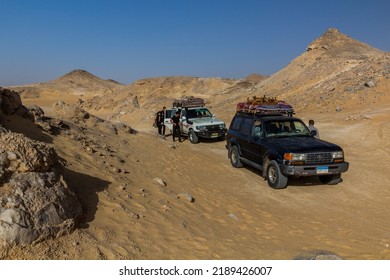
pixel 233 142
pixel 269 155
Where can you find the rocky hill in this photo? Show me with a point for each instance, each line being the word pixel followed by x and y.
pixel 336 71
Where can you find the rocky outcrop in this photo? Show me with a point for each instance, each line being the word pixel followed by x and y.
pixel 10 103
pixel 35 202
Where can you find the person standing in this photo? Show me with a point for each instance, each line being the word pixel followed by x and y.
pixel 175 120
pixel 313 130
pixel 159 121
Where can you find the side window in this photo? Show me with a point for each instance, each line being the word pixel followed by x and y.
pixel 169 114
pixel 257 131
pixel 247 127
pixel 237 123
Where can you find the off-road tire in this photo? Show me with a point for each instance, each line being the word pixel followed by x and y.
pixel 275 178
pixel 235 157
pixel 332 179
pixel 193 137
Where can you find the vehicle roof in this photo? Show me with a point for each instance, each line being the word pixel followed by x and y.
pixel 268 117
pixel 186 108
pixel 281 118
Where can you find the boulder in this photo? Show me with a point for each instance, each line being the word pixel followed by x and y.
pixel 35 202
pixel 10 101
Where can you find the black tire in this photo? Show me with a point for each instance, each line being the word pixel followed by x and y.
pixel 275 178
pixel 235 157
pixel 332 179
pixel 193 137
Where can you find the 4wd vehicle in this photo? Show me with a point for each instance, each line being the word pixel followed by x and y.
pixel 280 146
pixel 196 120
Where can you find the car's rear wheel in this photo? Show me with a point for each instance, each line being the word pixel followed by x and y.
pixel 235 157
pixel 275 178
pixel 332 179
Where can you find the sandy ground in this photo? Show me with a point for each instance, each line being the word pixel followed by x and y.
pixel 234 215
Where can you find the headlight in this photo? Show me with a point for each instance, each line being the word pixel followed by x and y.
pixel 336 155
pixel 200 127
pixel 222 125
pixel 294 157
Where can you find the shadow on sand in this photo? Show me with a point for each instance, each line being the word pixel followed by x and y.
pixel 86 188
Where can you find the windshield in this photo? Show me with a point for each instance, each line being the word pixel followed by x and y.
pixel 286 128
pixel 198 113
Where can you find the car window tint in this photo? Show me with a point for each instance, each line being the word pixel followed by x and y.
pixel 169 113
pixel 237 123
pixel 247 127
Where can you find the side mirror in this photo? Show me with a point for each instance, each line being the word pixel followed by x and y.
pixel 313 133
pixel 213 115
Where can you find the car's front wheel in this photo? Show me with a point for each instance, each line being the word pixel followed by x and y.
pixel 275 178
pixel 235 157
pixel 193 137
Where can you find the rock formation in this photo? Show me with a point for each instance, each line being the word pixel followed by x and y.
pixel 35 201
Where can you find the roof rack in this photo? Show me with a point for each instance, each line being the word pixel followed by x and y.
pixel 265 106
pixel 189 102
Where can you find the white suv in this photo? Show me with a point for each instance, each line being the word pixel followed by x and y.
pixel 196 122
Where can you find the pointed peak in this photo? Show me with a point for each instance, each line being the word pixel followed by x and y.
pixel 78 76
pixel 78 73
pixel 337 43
pixel 332 37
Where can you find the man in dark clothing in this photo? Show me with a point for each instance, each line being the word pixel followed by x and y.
pixel 159 121
pixel 175 120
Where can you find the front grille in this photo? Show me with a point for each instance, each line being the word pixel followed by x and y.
pixel 318 158
pixel 212 127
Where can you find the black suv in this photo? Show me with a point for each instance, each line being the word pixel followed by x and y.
pixel 282 146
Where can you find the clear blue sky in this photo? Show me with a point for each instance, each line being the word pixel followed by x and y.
pixel 129 40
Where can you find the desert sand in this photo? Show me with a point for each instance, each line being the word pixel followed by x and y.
pixel 129 214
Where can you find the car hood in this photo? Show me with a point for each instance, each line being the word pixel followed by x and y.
pixel 302 144
pixel 206 121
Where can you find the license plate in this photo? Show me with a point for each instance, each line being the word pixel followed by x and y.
pixel 322 169
pixel 214 135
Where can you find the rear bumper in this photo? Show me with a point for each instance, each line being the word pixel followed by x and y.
pixel 312 170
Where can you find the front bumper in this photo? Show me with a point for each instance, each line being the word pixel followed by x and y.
pixel 211 134
pixel 312 170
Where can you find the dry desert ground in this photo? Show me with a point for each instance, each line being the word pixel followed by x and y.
pixel 128 214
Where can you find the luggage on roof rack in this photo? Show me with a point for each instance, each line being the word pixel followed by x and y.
pixel 265 106
pixel 188 102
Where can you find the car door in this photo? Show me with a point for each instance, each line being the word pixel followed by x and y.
pixel 256 143
pixel 245 138
pixel 184 127
pixel 167 118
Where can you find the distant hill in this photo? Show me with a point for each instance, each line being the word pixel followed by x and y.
pixel 256 78
pixel 83 78
pixel 77 82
